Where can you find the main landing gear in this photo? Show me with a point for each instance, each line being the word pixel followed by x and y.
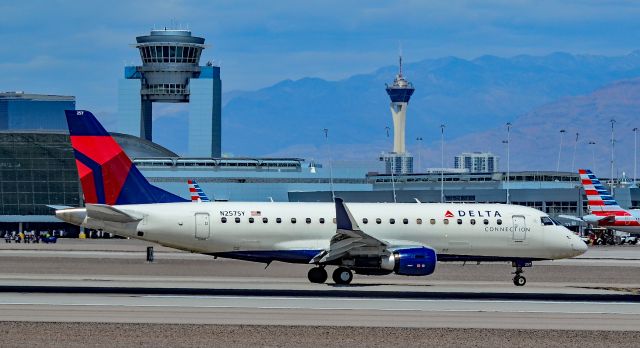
pixel 518 279
pixel 341 276
pixel 317 275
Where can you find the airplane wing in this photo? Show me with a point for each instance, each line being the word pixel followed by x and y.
pixel 591 219
pixel 108 213
pixel 349 238
pixel 572 218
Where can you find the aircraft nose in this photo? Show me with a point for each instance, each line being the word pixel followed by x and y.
pixel 578 245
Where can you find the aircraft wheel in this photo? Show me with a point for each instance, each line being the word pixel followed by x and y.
pixel 519 280
pixel 317 275
pixel 342 276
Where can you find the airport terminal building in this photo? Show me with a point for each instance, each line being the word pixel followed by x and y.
pixel 37 166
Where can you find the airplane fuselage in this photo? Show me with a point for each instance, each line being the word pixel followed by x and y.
pixel 626 223
pixel 295 232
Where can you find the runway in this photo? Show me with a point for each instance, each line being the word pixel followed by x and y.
pixel 316 311
pixel 109 282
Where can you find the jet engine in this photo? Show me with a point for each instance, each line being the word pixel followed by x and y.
pixel 419 261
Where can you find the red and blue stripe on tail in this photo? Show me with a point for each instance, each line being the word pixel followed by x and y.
pixel 600 201
pixel 197 195
pixel 106 173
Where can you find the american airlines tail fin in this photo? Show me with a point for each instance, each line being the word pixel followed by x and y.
pixel 106 173
pixel 600 201
pixel 197 195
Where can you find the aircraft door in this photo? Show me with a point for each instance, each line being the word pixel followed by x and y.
pixel 203 230
pixel 519 228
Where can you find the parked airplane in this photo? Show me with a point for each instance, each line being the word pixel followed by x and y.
pixel 197 195
pixel 604 211
pixel 366 238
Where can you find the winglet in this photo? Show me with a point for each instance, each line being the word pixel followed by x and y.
pixel 344 219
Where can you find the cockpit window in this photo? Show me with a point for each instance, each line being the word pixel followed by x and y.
pixel 546 221
pixel 558 223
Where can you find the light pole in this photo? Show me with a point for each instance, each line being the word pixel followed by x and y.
pixel 419 140
pixel 612 152
pixel 393 169
pixel 508 159
pixel 442 163
pixel 326 137
pixel 573 159
pixel 593 156
pixel 562 131
pixel 635 157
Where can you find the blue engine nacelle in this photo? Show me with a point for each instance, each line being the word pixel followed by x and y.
pixel 418 261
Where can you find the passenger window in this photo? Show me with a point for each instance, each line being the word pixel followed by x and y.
pixel 265 220
pixel 250 220
pixel 432 221
pixel 405 221
pixel 378 221
pixel 419 221
pixel 321 220
pixel 486 222
pixel 293 220
pixel 308 220
pixel 278 220
pixel 459 221
pixel 365 220
pixel 392 221
pixel 237 220
pixel 446 221
pixel 334 220
pixel 473 221
pixel 499 222
pixel 223 220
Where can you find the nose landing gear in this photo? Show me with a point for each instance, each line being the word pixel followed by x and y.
pixel 518 278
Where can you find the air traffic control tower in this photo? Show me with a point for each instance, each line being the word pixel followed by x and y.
pixel 399 161
pixel 170 73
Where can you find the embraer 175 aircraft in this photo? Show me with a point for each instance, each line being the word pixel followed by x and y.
pixel 604 211
pixel 365 238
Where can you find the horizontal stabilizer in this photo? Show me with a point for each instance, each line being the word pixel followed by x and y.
pixel 58 207
pixel 108 213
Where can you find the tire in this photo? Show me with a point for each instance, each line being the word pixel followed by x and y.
pixel 342 276
pixel 519 280
pixel 317 275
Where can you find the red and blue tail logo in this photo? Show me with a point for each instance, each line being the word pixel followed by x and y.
pixel 600 201
pixel 197 195
pixel 106 173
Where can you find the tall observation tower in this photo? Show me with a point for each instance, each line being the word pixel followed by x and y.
pixel 399 161
pixel 170 73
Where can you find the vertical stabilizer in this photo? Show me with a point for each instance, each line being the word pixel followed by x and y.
pixel 106 173
pixel 600 201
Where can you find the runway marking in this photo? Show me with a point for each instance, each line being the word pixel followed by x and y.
pixel 374 305
pixel 319 308
pixel 271 298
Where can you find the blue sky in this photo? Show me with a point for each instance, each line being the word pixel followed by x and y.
pixel 80 47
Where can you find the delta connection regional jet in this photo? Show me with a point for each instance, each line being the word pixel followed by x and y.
pixel 365 238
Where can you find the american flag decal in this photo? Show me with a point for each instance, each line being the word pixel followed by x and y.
pixel 255 213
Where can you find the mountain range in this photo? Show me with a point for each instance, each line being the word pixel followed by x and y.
pixel 473 98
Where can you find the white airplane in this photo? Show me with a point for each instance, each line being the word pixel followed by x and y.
pixel 365 238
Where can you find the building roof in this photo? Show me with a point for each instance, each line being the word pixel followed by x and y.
pixel 19 95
